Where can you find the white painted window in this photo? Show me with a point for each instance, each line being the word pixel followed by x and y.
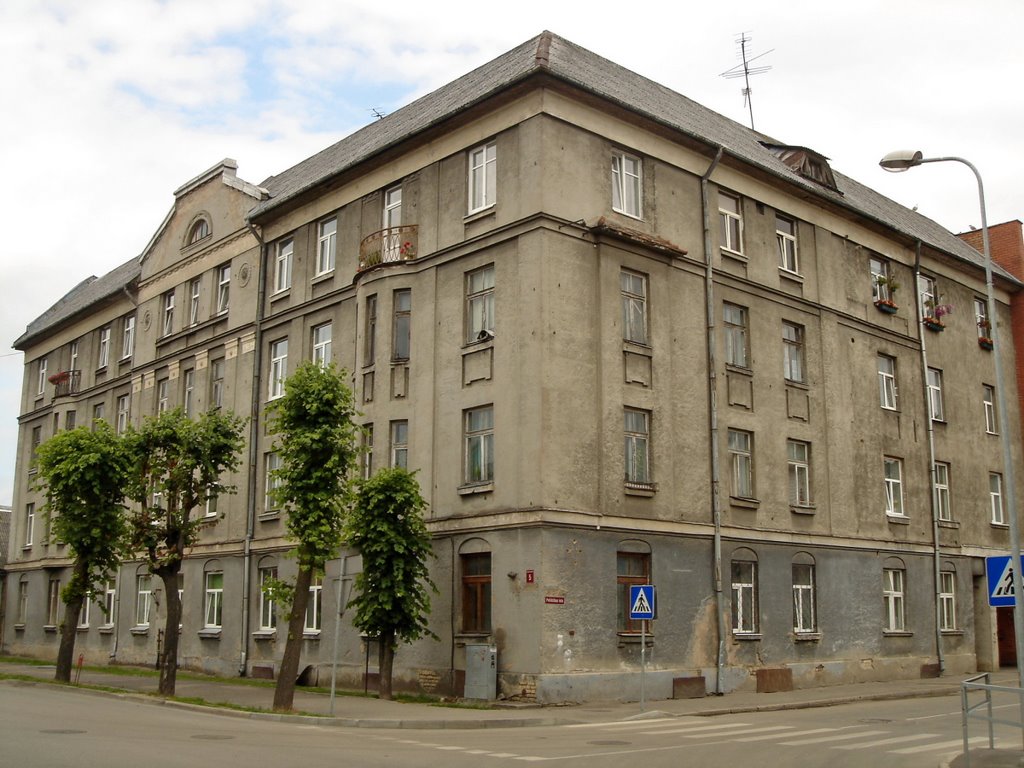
pixel 322 344
pixel 947 601
pixel 53 604
pixel 981 319
pixel 216 383
pixel 326 244
pixel 268 610
pixel 887 391
pixel 278 368
pixel 103 353
pixel 731 219
pixel 626 184
pixel 928 293
pixel 805 618
pixel 367 455
pixel 741 457
pixel 392 207
pixel 935 405
pixel 188 391
pixel 482 177
pixel 785 236
pixel 128 337
pixel 194 292
pixel 283 265
pixel 163 388
pixel 223 288
pixel 942 505
pixel 479 444
pixel 995 495
pixel 123 408
pixel 400 444
pixel 143 599
pixel 989 399
pixel 314 609
pixel 480 304
pixel 744 597
pixel 83 612
pixel 109 602
pixel 736 347
pixel 74 354
pixel 893 598
pixel 634 306
pixel 880 285
pixel 41 378
pixel 793 352
pixel 799 458
pixel 893 486
pixel 30 523
pixel 168 314
pixel 271 482
pixel 637 446
pixel 213 602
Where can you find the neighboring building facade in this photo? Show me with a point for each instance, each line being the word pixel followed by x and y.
pixel 623 340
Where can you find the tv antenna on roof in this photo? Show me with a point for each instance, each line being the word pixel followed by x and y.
pixel 378 113
pixel 744 70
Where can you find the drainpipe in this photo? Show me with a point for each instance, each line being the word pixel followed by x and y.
pixel 716 506
pixel 936 552
pixel 254 431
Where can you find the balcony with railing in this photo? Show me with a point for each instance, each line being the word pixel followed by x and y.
pixel 389 246
pixel 65 383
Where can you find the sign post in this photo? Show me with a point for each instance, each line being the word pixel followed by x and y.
pixel 641 608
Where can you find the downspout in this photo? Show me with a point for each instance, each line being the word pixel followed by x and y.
pixel 716 507
pixel 936 553
pixel 254 431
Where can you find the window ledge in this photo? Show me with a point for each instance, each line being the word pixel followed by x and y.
pixel 637 347
pixel 897 519
pixel 282 294
pixel 737 255
pixel 786 274
pixel 948 524
pixel 803 509
pixel 741 369
pixel 640 489
pixel 50 628
pixel 311 634
pixel 476 344
pixel 273 514
pixel 462 638
pixel 323 277
pixel 19 627
pixel 469 490
pixel 951 632
pixel 798 384
pixel 896 633
pixel 209 633
pixel 806 637
pixel 743 502
pixel 263 635
pixel 1001 526
pixel 106 629
pixel 482 213
pixel 744 636
pixel 628 215
pixel 635 638
pixel 139 630
pixel 82 630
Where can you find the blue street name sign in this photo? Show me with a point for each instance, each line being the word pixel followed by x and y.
pixel 999 573
pixel 641 601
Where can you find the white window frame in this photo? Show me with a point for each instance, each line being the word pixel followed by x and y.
pixel 995 498
pixel 195 292
pixel 894 599
pixel 888 392
pixel 785 236
pixel 53 603
pixel 124 406
pixel 936 408
pixel 745 610
pixel 109 602
pixel 734 322
pixel 879 279
pixel 627 184
pixel 128 337
pixel 893 476
pixel 283 265
pixel 167 327
pixel 793 359
pixel 213 600
pixel 989 399
pixel 268 609
pixel 480 304
pixel 223 288
pixel 730 215
pixel 73 366
pixel 943 510
pixel 271 462
pixel 927 292
pixel 633 286
pixel 478 441
pixel 805 614
pixel 30 524
pixel 21 614
pixel 326 245
pixel 367 454
pixel 322 337
pixel 981 320
pixel 798 455
pixel 103 352
pixel 163 394
pixel 143 599
pixel 217 383
pixel 41 383
pixel 947 601
pixel 278 368
pixel 483 177
pixel 188 391
pixel 314 609
pixel 399 438
pixel 83 612
pixel 741 459
pixel 637 455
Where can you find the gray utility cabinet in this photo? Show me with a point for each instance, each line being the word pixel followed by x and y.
pixel 481 671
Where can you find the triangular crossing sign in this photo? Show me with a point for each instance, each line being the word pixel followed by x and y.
pixel 641 605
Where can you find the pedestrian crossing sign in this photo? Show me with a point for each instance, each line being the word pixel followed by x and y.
pixel 641 601
pixel 1000 581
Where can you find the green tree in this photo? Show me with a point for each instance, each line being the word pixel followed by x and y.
pixel 392 598
pixel 176 466
pixel 317 445
pixel 84 474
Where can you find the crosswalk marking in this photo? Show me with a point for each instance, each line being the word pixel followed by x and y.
pixel 627 723
pixel 883 742
pixel 695 729
pixel 794 733
pixel 775 728
pixel 931 747
pixel 834 737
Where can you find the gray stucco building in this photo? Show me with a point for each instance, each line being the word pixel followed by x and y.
pixel 622 339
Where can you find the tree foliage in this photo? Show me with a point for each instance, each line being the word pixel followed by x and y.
pixel 392 598
pixel 84 473
pixel 177 465
pixel 317 444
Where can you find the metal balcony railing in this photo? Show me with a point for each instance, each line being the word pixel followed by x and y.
pixel 388 246
pixel 65 383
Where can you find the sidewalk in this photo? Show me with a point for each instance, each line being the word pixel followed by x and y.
pixel 366 712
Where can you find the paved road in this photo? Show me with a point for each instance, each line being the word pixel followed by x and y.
pixel 47 727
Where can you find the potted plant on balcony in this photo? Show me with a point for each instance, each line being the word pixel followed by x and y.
pixel 984 329
pixel 61 377
pixel 890 286
pixel 407 250
pixel 934 312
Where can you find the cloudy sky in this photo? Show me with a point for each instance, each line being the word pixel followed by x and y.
pixel 112 104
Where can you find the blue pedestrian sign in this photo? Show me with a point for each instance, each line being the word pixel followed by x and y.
pixel 641 601
pixel 999 573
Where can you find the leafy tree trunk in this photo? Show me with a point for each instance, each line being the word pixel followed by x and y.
pixel 169 655
pixel 387 662
pixel 69 628
pixel 284 692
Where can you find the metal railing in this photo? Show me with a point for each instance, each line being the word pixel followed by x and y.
pixel 969 711
pixel 389 245
pixel 65 383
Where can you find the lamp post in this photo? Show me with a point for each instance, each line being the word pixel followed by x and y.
pixel 903 160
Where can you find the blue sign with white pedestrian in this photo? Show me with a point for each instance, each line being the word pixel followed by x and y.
pixel 641 601
pixel 999 573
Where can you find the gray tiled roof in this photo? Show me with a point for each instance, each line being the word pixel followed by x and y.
pixel 82 297
pixel 548 53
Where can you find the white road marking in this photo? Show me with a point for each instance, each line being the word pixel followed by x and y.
pixel 883 742
pixel 837 737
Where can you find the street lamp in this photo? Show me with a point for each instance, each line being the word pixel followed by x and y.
pixel 903 160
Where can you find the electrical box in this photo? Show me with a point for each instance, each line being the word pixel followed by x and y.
pixel 481 671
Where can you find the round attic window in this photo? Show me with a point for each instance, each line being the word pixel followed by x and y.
pixel 200 230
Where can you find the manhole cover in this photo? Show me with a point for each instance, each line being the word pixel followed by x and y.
pixel 609 743
pixel 62 730
pixel 212 737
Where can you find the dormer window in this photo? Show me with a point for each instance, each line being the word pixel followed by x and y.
pixel 200 230
pixel 805 162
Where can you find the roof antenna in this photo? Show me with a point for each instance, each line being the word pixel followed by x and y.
pixel 377 113
pixel 744 70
